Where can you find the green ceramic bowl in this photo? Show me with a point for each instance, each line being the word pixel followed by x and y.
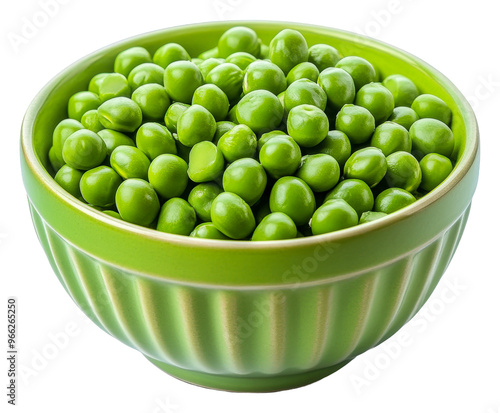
pixel 249 316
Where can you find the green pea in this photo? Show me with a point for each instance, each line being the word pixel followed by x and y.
pixel 113 85
pixel 332 216
pixel 368 164
pixel 264 52
pixel 232 216
pixel 247 178
pixel 307 125
pixel 206 162
pixel 145 74
pixel 370 216
pixel 377 99
pixel 62 131
pixel 361 70
pixel 229 78
pixel 304 92
pixel 176 217
pixel 95 83
pixel 206 66
pixel 393 199
pixel 435 169
pixel 207 230
pixel 173 114
pixel 239 142
pixel 241 59
pixel 293 197
pixel 404 116
pixel 304 70
pixel 210 53
pixel 130 58
pixel 182 150
pixel 269 135
pixel 431 136
pixel 153 100
pixel 137 202
pixel 169 53
pixel 390 137
pixel 336 144
pixel 154 140
pixel 181 79
pixel 275 226
pixel 120 114
pixel 430 106
pixel 221 128
pixel 84 150
pixel 82 102
pixel 196 124
pixel 323 56
pixel 130 162
pixel 54 161
pixel 356 122
pixel 262 75
pixel 69 179
pixel 113 214
pixel 239 39
pixel 287 49
pixel 403 171
pixel 213 99
pixel 339 87
pixel 260 110
pixel 112 139
pixel 355 192
pixel 321 172
pixel 403 89
pixel 168 175
pixel 280 156
pixel 99 185
pixel 201 198
pixel 90 121
pixel 231 116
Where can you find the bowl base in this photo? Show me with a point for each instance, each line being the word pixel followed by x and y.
pixel 247 384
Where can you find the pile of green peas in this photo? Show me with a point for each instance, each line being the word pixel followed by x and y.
pixel 251 141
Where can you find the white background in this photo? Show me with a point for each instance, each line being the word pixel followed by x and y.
pixel 447 360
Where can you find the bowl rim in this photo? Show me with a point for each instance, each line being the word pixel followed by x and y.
pixel 459 171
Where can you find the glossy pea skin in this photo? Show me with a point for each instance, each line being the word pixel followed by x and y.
pixel 112 139
pixel 356 122
pixel 221 128
pixel 404 116
pixel 435 169
pixel 232 216
pixel 403 171
pixel 213 99
pixel 280 156
pixel 323 56
pixel 377 99
pixel 82 102
pixel 370 216
pixel 84 150
pixel 154 140
pixel 196 124
pixel 287 49
pixel 113 214
pixel 260 110
pixel 53 160
pixel 144 74
pixel 113 85
pixel 304 70
pixel 241 59
pixel 206 66
pixel 393 199
pixel 168 175
pixel 137 202
pixel 229 78
pixel 431 136
pixel 403 89
pixel 293 197
pixel 339 87
pixel 90 121
pixel 62 131
pixel 264 52
pixel 69 179
pixel 269 135
pixel 304 92
pixel 320 171
pixel 206 162
pixel 336 144
pixel 95 83
pixel 208 54
pixel 238 39
pixel 361 70
pixel 239 142
pixel 275 226
pixel 368 164
pixel 182 150
pixel 169 53
pixel 181 79
pixel 120 114
pixel 130 162
pixel 307 125
pixel 99 185
pixel 430 106
pixel 174 112
pixel 130 58
pixel 334 215
pixel 176 217
pixel 153 100
pixel 390 137
pixel 262 75
pixel 355 192
pixel 201 198
pixel 247 178
pixel 207 230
